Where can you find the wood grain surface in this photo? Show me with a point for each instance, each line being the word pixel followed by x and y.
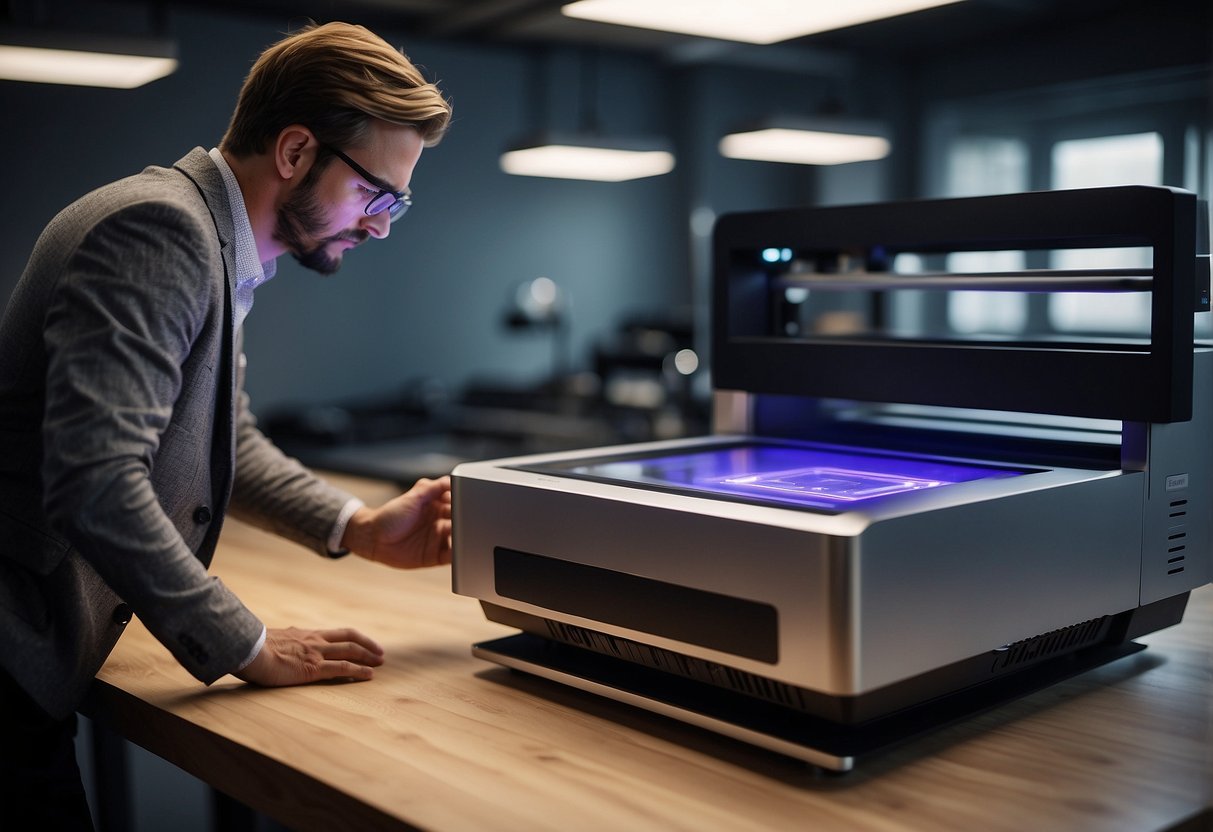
pixel 440 740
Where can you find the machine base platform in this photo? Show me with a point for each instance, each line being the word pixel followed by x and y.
pixel 818 741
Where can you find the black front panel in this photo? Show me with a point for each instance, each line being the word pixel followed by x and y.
pixel 854 245
pixel 708 619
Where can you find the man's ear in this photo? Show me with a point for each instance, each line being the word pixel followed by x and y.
pixel 294 151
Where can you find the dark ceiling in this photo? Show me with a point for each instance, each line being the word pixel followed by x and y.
pixel 540 22
pixel 971 26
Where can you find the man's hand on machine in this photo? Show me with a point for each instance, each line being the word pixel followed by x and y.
pixel 410 531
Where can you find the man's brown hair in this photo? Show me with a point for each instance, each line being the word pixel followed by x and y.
pixel 333 79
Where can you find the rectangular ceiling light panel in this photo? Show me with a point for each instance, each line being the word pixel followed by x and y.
pixel 92 69
pixel 749 21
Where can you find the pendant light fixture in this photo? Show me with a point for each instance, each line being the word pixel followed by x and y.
pixel 586 153
pixel 573 156
pixel 824 140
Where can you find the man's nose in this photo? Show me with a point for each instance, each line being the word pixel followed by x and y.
pixel 378 225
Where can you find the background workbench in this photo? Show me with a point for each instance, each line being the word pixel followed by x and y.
pixel 441 740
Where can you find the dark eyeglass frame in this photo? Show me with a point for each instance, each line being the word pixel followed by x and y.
pixel 396 207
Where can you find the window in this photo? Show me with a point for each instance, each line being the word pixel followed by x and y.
pixel 980 165
pixel 1134 159
pixel 1109 132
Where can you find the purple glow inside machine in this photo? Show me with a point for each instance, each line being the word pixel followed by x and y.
pixel 809 477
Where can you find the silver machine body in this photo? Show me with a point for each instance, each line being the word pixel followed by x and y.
pixel 884 531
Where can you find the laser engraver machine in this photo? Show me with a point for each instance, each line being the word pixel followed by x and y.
pixel 894 524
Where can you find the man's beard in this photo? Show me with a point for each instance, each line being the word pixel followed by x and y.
pixel 300 220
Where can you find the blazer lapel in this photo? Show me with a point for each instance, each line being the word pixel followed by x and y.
pixel 198 166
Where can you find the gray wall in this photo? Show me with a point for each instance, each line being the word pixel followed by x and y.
pixel 428 302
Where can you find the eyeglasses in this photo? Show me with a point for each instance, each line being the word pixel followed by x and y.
pixel 396 203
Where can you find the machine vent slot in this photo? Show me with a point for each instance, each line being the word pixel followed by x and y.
pixel 719 622
pixel 1049 644
pixel 1177 537
pixel 689 667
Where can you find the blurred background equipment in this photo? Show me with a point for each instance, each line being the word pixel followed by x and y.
pixel 640 386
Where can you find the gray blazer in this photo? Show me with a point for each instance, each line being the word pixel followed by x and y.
pixel 125 437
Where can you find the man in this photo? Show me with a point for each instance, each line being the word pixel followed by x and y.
pixel 125 436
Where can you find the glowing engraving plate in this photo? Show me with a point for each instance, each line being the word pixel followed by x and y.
pixel 835 483
pixel 815 477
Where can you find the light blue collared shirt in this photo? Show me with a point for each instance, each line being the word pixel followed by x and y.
pixel 250 272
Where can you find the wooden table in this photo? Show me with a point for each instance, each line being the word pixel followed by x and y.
pixel 440 740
